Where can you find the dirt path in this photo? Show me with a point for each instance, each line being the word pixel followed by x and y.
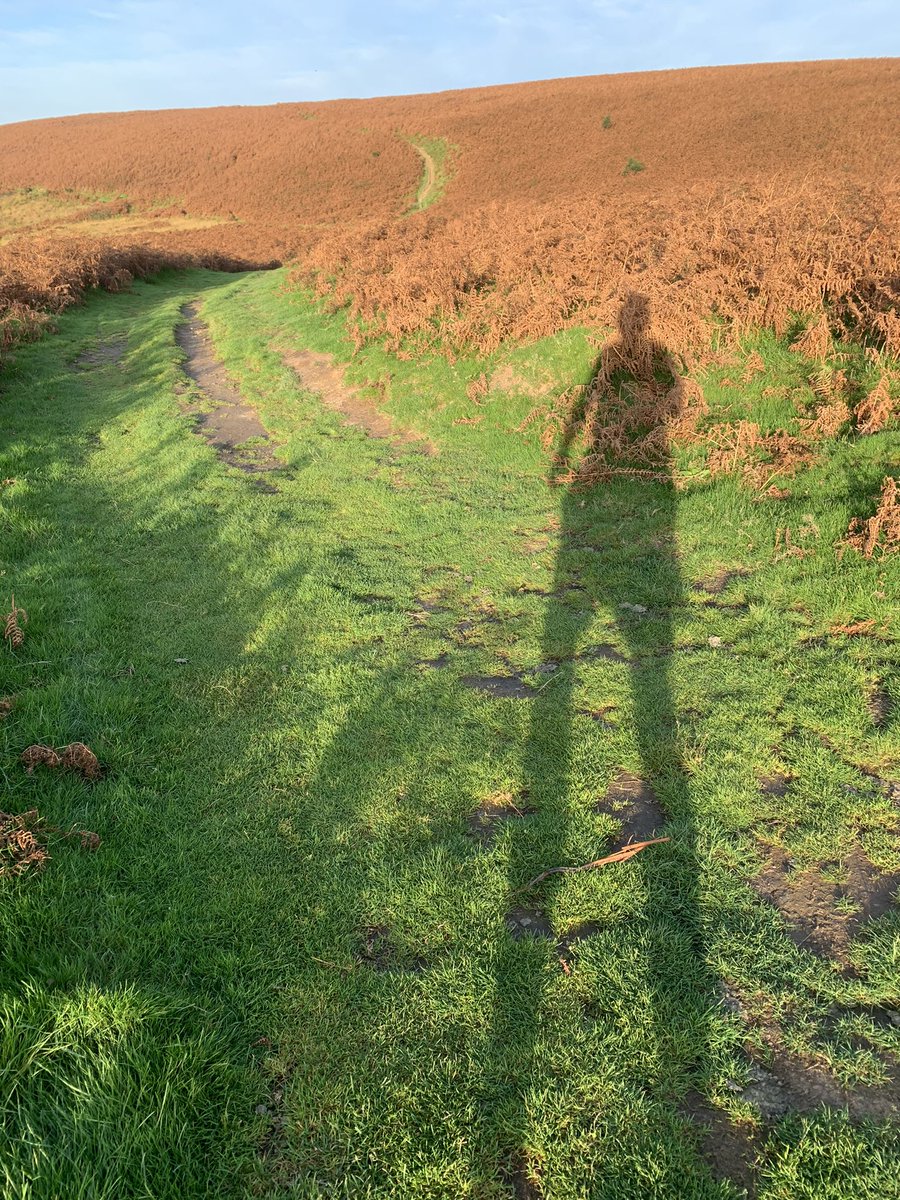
pixel 427 187
pixel 232 427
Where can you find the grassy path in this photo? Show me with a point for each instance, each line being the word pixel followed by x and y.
pixel 298 964
pixel 435 176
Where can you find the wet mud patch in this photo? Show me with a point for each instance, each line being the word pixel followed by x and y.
pixel 731 1151
pixel 632 802
pixel 501 686
pixel 495 813
pixel 821 915
pixel 378 952
pixel 232 427
pixel 108 353
pixel 319 373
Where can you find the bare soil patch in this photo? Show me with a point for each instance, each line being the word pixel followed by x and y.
pixel 633 803
pixel 808 901
pixel 879 707
pixel 319 373
pixel 522 1175
pixel 790 1084
pixel 500 686
pixel 606 652
pixel 775 784
pixel 730 1149
pixel 379 953
pixel 494 813
pixel 528 922
pixel 714 585
pixel 233 427
pixel 107 353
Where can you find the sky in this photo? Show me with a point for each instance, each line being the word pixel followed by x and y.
pixel 71 56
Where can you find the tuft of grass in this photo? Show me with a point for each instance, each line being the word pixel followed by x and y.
pixel 632 167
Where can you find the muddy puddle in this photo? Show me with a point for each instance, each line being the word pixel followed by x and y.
pixel 232 427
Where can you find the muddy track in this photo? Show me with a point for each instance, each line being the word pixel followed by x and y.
pixel 232 427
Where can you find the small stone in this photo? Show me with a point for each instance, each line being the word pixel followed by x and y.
pixel 714 641
pixel 470 579
pixel 181 661
pixel 525 920
pixel 261 1110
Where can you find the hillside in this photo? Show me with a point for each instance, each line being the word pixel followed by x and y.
pixel 449 680
pixel 750 192
pixel 297 166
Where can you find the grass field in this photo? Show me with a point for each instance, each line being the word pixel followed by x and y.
pixel 348 709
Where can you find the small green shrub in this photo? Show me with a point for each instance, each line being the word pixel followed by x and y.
pixel 607 122
pixel 632 167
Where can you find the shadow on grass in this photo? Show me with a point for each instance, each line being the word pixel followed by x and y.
pixel 617 557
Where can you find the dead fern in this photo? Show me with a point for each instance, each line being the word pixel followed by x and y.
pixel 39 756
pixel 12 629
pixel 879 408
pixel 20 848
pixel 24 838
pixel 78 757
pixel 882 529
pixel 74 757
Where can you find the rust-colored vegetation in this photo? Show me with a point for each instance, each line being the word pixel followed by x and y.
pixel 767 192
pixel 24 839
pixel 75 757
pixel 881 531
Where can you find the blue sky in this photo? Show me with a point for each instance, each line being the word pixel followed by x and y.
pixel 100 55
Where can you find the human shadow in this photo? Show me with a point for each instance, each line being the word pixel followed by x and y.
pixel 616 567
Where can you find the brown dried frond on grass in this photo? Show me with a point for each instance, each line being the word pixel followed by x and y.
pixel 882 529
pixel 12 630
pixel 74 757
pixel 477 389
pixel 815 341
pixel 879 408
pixel 755 366
pixel 854 629
pixel 24 838
pixel 78 757
pixel 19 844
pixel 39 756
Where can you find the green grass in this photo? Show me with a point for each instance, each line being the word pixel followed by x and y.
pixel 303 778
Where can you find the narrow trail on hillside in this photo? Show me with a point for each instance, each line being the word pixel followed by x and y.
pixel 428 185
